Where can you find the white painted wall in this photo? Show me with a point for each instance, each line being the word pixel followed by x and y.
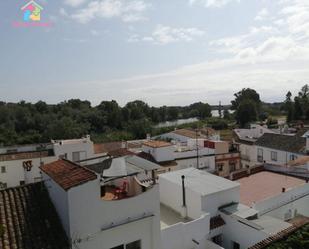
pixel 248 154
pixel 283 157
pixel 207 162
pixel 210 203
pixel 84 146
pixel 161 154
pixel 180 235
pixel 245 235
pixel 16 173
pixel 293 198
pixel 59 197
pixel 89 214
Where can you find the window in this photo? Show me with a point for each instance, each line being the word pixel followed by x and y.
pixel 133 245
pixel 75 156
pixel 235 245
pixel 217 239
pixel 3 185
pixel 274 155
pixel 293 157
pixel 232 166
pixel 118 247
pixel 3 169
pixel 220 166
pixel 260 155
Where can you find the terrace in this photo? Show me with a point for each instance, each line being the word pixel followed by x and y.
pixel 124 177
pixel 263 185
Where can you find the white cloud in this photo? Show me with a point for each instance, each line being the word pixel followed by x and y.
pixel 212 3
pixel 165 34
pixel 74 3
pixel 126 10
pixel 296 14
pixel 262 15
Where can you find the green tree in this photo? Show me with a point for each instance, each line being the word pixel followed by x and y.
pixel 246 112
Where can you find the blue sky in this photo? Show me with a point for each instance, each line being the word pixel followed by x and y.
pixel 172 52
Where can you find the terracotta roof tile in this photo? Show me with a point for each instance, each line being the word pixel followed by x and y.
pixel 29 219
pixel 157 144
pixel 120 152
pixel 68 174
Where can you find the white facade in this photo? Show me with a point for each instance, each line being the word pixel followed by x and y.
pixel 273 156
pixel 91 222
pixel 204 192
pixel 160 154
pixel 12 172
pixel 74 149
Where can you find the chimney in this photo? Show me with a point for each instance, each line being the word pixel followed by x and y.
pixel 148 137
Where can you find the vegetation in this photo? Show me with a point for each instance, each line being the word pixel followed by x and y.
pixel 297 240
pixel 299 108
pixel 35 123
pixel 23 122
pixel 247 106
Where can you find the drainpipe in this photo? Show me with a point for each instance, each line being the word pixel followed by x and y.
pixel 184 204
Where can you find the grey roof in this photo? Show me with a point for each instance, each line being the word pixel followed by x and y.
pixel 122 166
pixel 294 144
pixel 199 181
pixel 142 163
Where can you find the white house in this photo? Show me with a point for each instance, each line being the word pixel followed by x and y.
pixel 180 155
pixel 276 149
pixel 105 205
pixel 197 195
pixel 74 149
pixel 246 139
pixel 20 164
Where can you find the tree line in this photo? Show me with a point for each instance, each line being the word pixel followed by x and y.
pixel 249 107
pixel 24 122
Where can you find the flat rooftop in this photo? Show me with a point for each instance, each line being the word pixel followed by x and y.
pixel 169 217
pixel 200 181
pixel 263 185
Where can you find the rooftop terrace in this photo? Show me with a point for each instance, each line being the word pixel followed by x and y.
pixel 169 217
pixel 263 185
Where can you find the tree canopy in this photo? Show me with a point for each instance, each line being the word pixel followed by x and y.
pixel 24 122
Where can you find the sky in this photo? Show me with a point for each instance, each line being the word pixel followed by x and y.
pixel 164 52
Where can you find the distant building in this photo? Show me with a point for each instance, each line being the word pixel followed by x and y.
pixel 279 149
pixel 20 164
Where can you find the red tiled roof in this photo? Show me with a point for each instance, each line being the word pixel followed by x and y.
pixel 106 147
pixel 24 155
pixel 29 219
pixel 120 152
pixel 68 174
pixel 156 143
